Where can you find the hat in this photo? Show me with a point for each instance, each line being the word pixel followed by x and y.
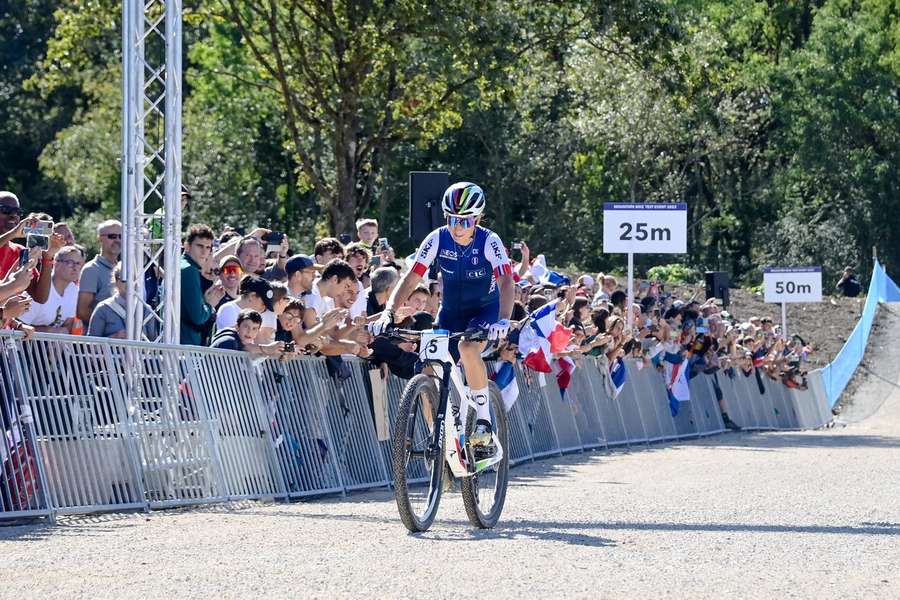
pixel 587 280
pixel 524 284
pixel 229 259
pixel 299 263
pixel 677 304
pixel 258 286
pixel 186 192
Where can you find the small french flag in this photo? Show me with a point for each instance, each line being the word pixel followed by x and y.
pixel 618 374
pixel 564 368
pixel 505 378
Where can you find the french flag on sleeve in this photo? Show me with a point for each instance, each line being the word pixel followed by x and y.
pixel 534 341
pixel 505 378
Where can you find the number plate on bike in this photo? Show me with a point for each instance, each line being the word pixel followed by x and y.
pixel 435 345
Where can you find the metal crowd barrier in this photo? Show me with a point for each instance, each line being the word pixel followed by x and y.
pixel 96 424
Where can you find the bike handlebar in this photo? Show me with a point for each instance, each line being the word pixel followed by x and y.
pixel 403 334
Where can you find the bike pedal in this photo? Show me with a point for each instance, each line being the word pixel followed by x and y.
pixel 483 452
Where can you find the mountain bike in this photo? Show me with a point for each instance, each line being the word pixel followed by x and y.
pixel 431 430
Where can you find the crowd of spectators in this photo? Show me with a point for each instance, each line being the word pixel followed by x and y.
pixel 250 292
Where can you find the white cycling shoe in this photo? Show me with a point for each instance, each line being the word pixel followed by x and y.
pixel 483 434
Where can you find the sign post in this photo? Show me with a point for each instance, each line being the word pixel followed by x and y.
pixel 791 284
pixel 643 229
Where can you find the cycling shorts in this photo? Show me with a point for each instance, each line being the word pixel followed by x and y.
pixel 481 317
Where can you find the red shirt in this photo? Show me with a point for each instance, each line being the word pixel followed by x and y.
pixel 9 258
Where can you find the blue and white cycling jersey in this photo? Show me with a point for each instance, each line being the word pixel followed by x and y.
pixel 469 272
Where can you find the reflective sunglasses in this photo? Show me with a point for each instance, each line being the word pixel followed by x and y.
pixel 231 270
pixel 112 236
pixel 464 222
pixel 10 210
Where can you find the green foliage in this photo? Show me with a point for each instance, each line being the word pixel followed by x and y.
pixel 777 122
pixel 674 273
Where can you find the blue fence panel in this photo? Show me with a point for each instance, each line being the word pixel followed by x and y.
pixel 837 374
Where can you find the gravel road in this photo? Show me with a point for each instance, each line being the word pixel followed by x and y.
pixel 805 515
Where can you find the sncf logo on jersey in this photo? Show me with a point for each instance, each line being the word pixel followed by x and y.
pixel 448 254
pixel 496 247
pixel 426 249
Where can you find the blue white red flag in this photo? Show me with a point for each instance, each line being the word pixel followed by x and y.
pixel 505 378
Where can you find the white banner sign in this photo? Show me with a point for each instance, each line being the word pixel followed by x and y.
pixel 644 228
pixel 792 284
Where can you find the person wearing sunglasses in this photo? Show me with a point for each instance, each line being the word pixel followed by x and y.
pixel 477 289
pixel 230 272
pixel 96 285
pixel 12 227
pixel 57 313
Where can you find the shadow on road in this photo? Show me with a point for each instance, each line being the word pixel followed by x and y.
pixel 567 531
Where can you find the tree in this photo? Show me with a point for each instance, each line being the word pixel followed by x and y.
pixel 358 77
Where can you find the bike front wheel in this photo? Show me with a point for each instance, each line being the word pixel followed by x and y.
pixel 418 465
pixel 484 493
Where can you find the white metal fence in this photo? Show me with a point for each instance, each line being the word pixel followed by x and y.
pixel 95 424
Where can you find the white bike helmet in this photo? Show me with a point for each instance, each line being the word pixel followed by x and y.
pixel 463 199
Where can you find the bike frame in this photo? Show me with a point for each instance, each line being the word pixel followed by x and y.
pixel 456 453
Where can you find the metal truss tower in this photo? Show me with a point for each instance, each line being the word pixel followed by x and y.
pixel 151 164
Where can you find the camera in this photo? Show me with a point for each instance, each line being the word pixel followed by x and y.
pixel 23 257
pixel 383 244
pixel 37 240
pixel 273 241
pixel 289 347
pixel 517 246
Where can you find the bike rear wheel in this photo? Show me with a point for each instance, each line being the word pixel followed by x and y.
pixel 484 493
pixel 418 467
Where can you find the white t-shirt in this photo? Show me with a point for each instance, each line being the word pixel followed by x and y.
pixel 55 311
pixel 359 307
pixel 228 313
pixel 316 301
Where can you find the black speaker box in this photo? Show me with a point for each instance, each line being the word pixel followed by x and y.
pixel 717 285
pixel 426 188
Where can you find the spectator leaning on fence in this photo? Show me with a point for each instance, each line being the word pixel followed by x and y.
pixel 57 314
pixel 358 258
pixel 255 293
pixel 242 335
pixel 384 280
pixel 196 307
pixel 96 276
pixel 336 275
pixel 301 271
pixel 109 317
